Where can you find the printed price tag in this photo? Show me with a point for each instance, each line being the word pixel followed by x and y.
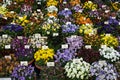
pixel 38 10
pixel 102 62
pixel 37 35
pixel 103 46
pixel 119 23
pixel 64 2
pixel 44 47
pixel 38 2
pixel 76 60
pixel 64 46
pixel 27 46
pixel 80 11
pixel 4 36
pixel 25 63
pixel 106 11
pixel 88 46
pixel 50 64
pixel 87 24
pixel 5 79
pixel 68 22
pixel 19 37
pixel 107 34
pixel 106 22
pixel 7 46
pixel 66 9
pixel 73 36
pixel 11 11
pixel 8 57
pixel 113 17
pixel 55 34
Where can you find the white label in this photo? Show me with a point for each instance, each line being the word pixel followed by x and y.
pixel 55 34
pixel 8 57
pixel 107 34
pixel 64 2
pixel 38 10
pixel 11 11
pixel 44 47
pixel 7 46
pixel 80 11
pixel 102 62
pixel 37 35
pixel 25 63
pixel 106 11
pixel 88 46
pixel 106 22
pixel 27 46
pixel 87 24
pixel 76 60
pixel 39 2
pixel 5 79
pixel 19 37
pixel 113 17
pixel 4 36
pixel 49 64
pixel 103 46
pixel 73 36
pixel 64 46
pixel 68 23
pixel 66 9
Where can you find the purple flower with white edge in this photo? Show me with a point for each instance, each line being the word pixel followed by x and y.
pixel 66 12
pixel 78 8
pixel 75 42
pixel 69 28
pixel 22 48
pixel 103 71
pixel 22 72
pixel 26 9
pixel 64 55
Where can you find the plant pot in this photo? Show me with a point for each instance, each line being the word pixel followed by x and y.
pixel 39 67
pixel 30 62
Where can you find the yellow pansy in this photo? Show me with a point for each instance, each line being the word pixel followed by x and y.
pixel 52 3
pixel 3 10
pixel 18 1
pixel 109 40
pixel 116 5
pixel 44 54
pixel 23 20
pixel 90 5
pixel 86 29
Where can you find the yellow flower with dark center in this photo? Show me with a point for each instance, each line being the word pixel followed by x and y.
pixel 44 54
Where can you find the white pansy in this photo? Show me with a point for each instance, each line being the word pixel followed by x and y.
pixel 76 70
pixel 52 9
pixel 109 53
